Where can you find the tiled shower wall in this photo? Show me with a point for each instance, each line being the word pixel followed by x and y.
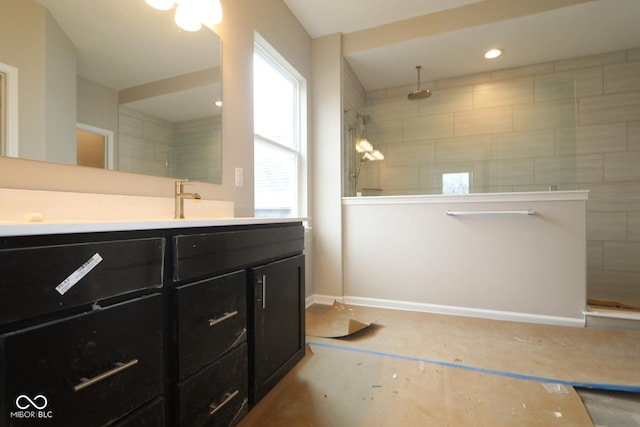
pixel 569 124
pixel 152 146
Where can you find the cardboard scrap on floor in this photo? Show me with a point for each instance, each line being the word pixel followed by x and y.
pixel 337 322
pixel 334 387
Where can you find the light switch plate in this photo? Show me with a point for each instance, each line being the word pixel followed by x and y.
pixel 239 177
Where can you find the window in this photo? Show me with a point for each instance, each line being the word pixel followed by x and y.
pixel 279 172
pixel 455 183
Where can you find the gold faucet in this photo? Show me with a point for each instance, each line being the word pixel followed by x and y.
pixel 180 196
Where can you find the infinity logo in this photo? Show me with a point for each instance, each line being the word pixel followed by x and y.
pixel 39 402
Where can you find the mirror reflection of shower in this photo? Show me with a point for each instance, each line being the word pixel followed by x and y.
pixel 365 151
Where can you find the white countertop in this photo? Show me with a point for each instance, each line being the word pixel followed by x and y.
pixel 14 228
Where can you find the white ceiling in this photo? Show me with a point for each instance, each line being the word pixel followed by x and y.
pixel 584 29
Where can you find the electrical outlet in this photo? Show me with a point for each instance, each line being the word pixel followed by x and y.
pixel 239 177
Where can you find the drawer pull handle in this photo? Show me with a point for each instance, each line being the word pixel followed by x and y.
pixel 264 291
pixel 228 397
pixel 226 316
pixel 86 382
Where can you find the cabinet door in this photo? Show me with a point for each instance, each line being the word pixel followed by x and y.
pixel 277 322
pixel 84 370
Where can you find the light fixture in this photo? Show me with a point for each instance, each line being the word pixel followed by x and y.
pixel 493 53
pixel 363 145
pixel 364 148
pixel 160 4
pixel 192 14
pixel 218 103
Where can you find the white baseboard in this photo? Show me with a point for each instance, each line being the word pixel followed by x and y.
pixel 449 310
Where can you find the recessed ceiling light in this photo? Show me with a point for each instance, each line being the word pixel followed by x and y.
pixel 493 53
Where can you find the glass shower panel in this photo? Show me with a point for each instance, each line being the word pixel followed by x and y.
pixel 509 135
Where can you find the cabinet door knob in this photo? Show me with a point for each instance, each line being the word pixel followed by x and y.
pixel 86 382
pixel 222 318
pixel 228 397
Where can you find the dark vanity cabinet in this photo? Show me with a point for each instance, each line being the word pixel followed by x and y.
pixel 218 338
pixel 179 327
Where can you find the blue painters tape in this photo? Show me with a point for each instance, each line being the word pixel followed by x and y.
pixel 597 386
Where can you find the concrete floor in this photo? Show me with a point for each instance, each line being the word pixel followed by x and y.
pixel 310 393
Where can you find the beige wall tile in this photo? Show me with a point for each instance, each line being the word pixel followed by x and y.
pixel 595 255
pixel 567 84
pixel 393 108
pixel 622 77
pixel 447 100
pixel 504 92
pixel 553 86
pixel 130 125
pixel 555 170
pixel 530 70
pixel 412 153
pixel 614 285
pixel 376 95
pixel 591 61
pixel 386 131
pixel 483 121
pixel 590 168
pixel 511 172
pixel 601 138
pixel 634 136
pixel 613 197
pixel 609 226
pixel 544 115
pixel 463 80
pixel 622 256
pixel 613 108
pixel 634 226
pixel 463 149
pixel 427 127
pixel 537 143
pixel 399 177
pixel 633 55
pixel 622 167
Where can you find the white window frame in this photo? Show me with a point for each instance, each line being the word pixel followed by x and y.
pixel 299 149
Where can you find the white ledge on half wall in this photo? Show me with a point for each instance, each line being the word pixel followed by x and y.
pixel 540 196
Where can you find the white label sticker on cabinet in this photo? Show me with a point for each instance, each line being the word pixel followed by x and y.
pixel 77 275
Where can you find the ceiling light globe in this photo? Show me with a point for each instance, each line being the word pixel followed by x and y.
pixel 160 4
pixel 188 16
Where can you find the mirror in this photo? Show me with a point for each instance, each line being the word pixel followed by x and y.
pixel 119 69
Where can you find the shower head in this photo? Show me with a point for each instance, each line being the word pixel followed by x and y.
pixel 419 94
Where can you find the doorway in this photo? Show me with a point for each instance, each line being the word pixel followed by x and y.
pixel 94 147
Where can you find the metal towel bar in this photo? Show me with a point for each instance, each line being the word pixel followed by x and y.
pixel 461 213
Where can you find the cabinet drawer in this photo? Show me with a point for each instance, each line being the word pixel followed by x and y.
pixel 31 275
pixel 88 369
pixel 216 395
pixel 212 318
pixel 201 255
pixel 150 415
